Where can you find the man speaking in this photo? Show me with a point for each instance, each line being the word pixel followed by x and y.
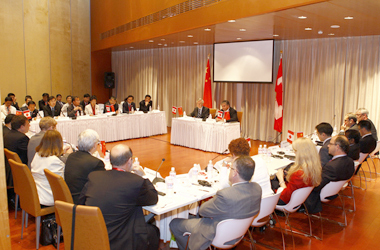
pixel 200 111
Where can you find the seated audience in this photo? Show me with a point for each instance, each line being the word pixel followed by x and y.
pixel 47 157
pixel 69 101
pixel 7 107
pixel 14 102
pixel 32 109
pixel 92 108
pixel 46 123
pixel 200 111
pixel 367 142
pixel 85 101
pixel 353 137
pixel 349 122
pixel 52 109
pixel 340 168
pixel 324 132
pixel 81 163
pixel 362 114
pixel 128 104
pixel 44 101
pixel 146 105
pixel 304 172
pixel 240 201
pixel 75 109
pixel 7 127
pixel 28 98
pixel 120 196
pixel 59 100
pixel 114 107
pixel 226 108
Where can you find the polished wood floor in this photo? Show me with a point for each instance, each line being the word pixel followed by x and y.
pixel 362 232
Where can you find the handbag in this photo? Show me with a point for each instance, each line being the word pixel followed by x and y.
pixel 49 232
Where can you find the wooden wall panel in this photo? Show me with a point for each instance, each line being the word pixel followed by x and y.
pixel 37 51
pixel 12 66
pixel 60 47
pixel 100 62
pixel 81 49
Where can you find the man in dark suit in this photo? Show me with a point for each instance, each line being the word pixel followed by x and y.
pixel 324 132
pixel 44 102
pixel 129 105
pixel 353 137
pixel 32 109
pixel 81 163
pixel 85 101
pixel 111 102
pixel 362 114
pixel 226 108
pixel 14 102
pixel 7 127
pixel 349 123
pixel 367 142
pixel 52 109
pixel 59 100
pixel 75 109
pixel 120 196
pixel 340 168
pixel 146 105
pixel 241 200
pixel 200 111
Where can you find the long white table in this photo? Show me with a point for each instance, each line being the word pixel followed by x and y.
pixel 111 128
pixel 206 136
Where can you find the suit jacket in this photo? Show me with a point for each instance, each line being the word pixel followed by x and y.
pixel 324 153
pixel 33 113
pixel 78 166
pixel 354 151
pixel 126 108
pixel 48 112
pixel 339 169
pixel 42 104
pixel 145 108
pixel 236 202
pixel 116 106
pixel 83 104
pixel 6 131
pixel 72 113
pixel 33 143
pixel 204 115
pixel 88 110
pixel 120 196
pixel 233 115
pixel 15 105
pixel 367 144
pixel 373 130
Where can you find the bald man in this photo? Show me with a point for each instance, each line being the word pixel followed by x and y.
pixel 120 194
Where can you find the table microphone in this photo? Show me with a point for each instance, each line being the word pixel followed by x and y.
pixel 157 179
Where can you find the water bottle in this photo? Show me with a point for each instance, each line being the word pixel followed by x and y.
pixel 194 174
pixel 265 151
pixel 132 111
pixel 150 108
pixel 260 150
pixel 169 185
pixel 136 163
pixel 210 170
pixel 172 172
pixel 158 107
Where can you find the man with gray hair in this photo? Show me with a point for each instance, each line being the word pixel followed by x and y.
pixel 200 111
pixel 349 123
pixel 362 114
pixel 81 163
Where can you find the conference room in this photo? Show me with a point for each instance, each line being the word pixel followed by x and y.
pixel 329 52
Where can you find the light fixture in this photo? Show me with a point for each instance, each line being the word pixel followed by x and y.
pixel 159 44
pixel 131 47
pixel 162 39
pixel 242 29
pixel 349 17
pixel 195 42
pixel 239 38
pixel 275 35
pixel 207 29
pixel 189 35
pixel 331 34
pixel 308 28
pixel 335 26
pixel 320 32
pixel 151 41
pixel 302 17
pixel 231 21
pixel 165 45
pixel 181 41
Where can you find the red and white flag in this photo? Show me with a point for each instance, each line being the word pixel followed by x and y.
pixel 278 111
pixel 174 110
pixel 290 138
pixel 108 108
pixel 207 96
pixel 27 114
pixel 220 114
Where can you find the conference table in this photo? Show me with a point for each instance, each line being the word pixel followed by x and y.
pixel 208 136
pixel 110 128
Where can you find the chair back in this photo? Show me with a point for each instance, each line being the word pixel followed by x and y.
pixel 377 149
pixel 332 188
pixel 362 157
pixel 61 191
pixel 101 108
pixel 212 112
pixel 90 228
pixel 12 155
pixel 298 197
pixel 229 230
pixel 267 206
pixel 240 115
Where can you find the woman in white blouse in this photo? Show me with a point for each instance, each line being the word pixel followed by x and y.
pixel 47 156
pixel 92 108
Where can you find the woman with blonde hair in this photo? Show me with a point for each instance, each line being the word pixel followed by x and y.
pixel 47 156
pixel 306 170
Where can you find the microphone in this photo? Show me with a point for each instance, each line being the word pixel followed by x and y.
pixel 157 179
pixel 220 154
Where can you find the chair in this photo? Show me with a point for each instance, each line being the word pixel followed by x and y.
pixel 61 192
pixel 212 112
pixel 121 107
pixel 377 149
pixel 101 108
pixel 361 159
pixel 349 183
pixel 29 200
pixel 90 228
pixel 12 155
pixel 240 115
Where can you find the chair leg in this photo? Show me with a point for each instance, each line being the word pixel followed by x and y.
pixel 374 166
pixel 22 223
pixel 282 233
pixel 16 206
pixel 290 226
pixel 26 220
pixel 59 236
pixel 251 239
pixel 38 224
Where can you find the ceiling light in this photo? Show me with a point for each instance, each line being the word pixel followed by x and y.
pixel 335 26
pixel 195 42
pixel 162 39
pixel 275 35
pixel 131 47
pixel 189 35
pixel 349 17
pixel 151 41
pixel 302 17
pixel 239 38
pixel 320 32
pixel 207 29
pixel 242 29
pixel 159 44
pixel 331 34
pixel 231 21
pixel 165 45
pixel 308 28
pixel 181 41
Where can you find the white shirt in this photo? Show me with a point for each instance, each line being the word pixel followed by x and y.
pixel 64 107
pixel 88 109
pixel 4 110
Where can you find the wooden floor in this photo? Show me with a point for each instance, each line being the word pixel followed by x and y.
pixel 362 232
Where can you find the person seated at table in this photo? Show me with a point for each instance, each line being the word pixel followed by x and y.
pixel 340 168
pixel 32 109
pixel 304 172
pixel 44 101
pixel 81 163
pixel 241 200
pixel 47 157
pixel 114 107
pixel 200 111
pixel 69 101
pixel 92 108
pixel 28 98
pixel 227 109
pixel 367 142
pixel 239 147
pixel 362 114
pixel 349 123
pixel 146 105
pixel 128 105
pixel 7 127
pixel 120 196
pixel 324 132
pixel 52 109
pixel 353 137
pixel 14 102
pixel 7 107
pixel 85 101
pixel 75 109
pixel 59 100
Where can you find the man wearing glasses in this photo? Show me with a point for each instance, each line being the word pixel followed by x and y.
pixel 362 114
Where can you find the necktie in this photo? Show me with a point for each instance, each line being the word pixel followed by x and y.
pixel 129 107
pixel 52 111
pixel 8 110
pixel 199 113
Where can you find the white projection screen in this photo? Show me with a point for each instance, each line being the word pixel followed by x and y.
pixel 244 61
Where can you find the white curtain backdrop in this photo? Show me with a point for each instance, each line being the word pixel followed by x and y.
pixel 323 79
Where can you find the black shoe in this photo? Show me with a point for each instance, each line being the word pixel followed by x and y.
pixel 279 213
pixel 301 209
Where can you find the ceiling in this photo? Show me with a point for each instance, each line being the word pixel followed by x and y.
pixel 283 25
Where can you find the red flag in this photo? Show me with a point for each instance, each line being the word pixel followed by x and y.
pixel 227 115
pixel 207 97
pixel 290 138
pixel 18 112
pixel 278 112
pixel 180 111
pixel 112 108
pixel 299 134
pixel 220 114
pixel 103 145
pixel 27 114
pixel 174 110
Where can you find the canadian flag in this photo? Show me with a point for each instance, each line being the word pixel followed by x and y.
pixel 278 112
pixel 220 114
pixel 174 110
pixel 27 114
pixel 180 111
pixel 108 108
pixel 227 115
pixel 290 138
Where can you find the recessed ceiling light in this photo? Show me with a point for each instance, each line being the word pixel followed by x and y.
pixel 320 32
pixel 335 26
pixel 151 41
pixel 349 17
pixel 308 29
pixel 181 41
pixel 159 44
pixel 165 45
pixel 242 29
pixel 302 17
pixel 239 38
pixel 231 21
pixel 207 29
pixel 275 35
pixel 162 39
pixel 189 35
pixel 195 42
pixel 131 47
pixel 331 34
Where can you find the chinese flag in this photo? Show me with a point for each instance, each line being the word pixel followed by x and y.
pixel 227 115
pixel 103 145
pixel 112 108
pixel 174 110
pixel 180 111
pixel 207 97
pixel 278 107
pixel 299 134
pixel 18 112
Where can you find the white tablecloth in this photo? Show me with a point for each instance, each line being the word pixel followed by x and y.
pixel 111 128
pixel 195 133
